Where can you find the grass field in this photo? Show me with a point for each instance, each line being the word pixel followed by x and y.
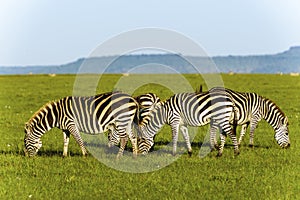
pixel 262 172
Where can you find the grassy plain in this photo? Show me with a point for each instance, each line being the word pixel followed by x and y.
pixel 264 172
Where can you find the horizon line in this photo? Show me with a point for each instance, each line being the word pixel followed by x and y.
pixel 153 54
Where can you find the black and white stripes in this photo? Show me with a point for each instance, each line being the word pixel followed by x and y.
pixel 117 112
pixel 250 109
pixel 146 103
pixel 189 109
pixel 91 115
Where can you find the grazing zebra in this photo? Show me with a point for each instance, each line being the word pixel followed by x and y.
pixel 146 104
pixel 250 109
pixel 94 114
pixel 193 109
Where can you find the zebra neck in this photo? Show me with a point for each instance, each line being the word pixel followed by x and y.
pixel 273 115
pixel 152 124
pixel 46 118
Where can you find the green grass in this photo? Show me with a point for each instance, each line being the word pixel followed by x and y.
pixel 264 172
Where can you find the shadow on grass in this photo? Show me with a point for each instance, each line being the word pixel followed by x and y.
pixel 114 150
pixel 199 144
pixel 48 153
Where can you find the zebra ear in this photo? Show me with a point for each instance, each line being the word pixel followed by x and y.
pixel 200 90
pixel 285 121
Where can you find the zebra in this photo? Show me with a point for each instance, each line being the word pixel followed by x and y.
pixel 188 109
pixel 146 104
pixel 250 109
pixel 91 115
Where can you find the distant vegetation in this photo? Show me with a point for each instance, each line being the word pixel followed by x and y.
pixel 285 62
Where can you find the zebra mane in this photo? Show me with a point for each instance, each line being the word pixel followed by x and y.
pixel 113 92
pixel 45 106
pixel 275 105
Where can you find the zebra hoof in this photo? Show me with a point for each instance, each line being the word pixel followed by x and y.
pixel 143 153
pixel 190 152
pixel 119 156
pixel 251 145
pixel 134 155
pixel 110 145
pixel 212 148
pixel 85 155
pixel 236 152
pixel 219 154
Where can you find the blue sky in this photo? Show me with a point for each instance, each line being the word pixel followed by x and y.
pixel 56 32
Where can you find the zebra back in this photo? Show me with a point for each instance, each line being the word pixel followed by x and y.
pixel 94 114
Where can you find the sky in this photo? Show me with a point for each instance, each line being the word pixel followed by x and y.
pixel 50 32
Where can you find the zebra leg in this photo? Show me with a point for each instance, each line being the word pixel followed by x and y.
pixel 234 139
pixel 113 137
pixel 75 133
pixel 253 125
pixel 124 139
pixel 243 132
pixel 185 133
pixel 232 134
pixel 123 142
pixel 133 141
pixel 175 128
pixel 213 137
pixel 109 138
pixel 66 142
pixel 221 147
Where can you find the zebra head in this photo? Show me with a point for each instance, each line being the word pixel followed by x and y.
pixel 32 145
pixel 282 134
pixel 144 145
pixel 113 138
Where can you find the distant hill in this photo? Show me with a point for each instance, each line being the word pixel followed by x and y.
pixel 285 62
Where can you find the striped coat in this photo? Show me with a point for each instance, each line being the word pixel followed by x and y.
pixel 91 115
pixel 188 109
pixel 250 109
